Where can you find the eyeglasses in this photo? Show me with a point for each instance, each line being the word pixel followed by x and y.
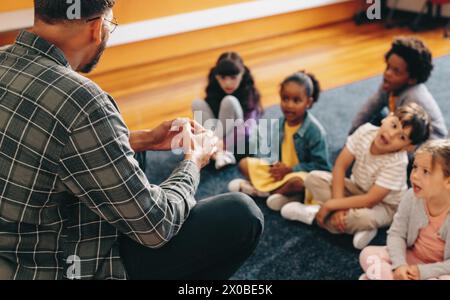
pixel 113 22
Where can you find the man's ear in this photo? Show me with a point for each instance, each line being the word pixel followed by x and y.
pixel 96 29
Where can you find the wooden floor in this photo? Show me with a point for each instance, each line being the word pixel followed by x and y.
pixel 338 55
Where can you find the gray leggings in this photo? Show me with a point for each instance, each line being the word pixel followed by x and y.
pixel 230 109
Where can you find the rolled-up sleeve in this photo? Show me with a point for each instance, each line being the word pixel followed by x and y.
pixel 98 167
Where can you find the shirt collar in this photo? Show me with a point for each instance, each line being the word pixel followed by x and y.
pixel 33 41
pixel 303 129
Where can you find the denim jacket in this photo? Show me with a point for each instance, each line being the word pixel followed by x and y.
pixel 310 144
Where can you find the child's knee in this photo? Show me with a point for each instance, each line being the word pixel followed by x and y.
pixel 243 165
pixel 366 255
pixel 314 180
pixel 198 105
pixel 363 261
pixel 230 101
pixel 359 220
pixel 295 184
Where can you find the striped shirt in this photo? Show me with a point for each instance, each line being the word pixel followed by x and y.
pixel 388 171
pixel 69 183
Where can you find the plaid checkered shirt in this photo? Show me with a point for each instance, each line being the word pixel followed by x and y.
pixel 69 183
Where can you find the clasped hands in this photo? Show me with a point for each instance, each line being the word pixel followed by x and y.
pixel 185 136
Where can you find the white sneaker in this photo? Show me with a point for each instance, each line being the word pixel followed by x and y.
pixel 276 201
pixel 244 186
pixel 296 211
pixel 224 159
pixel 362 238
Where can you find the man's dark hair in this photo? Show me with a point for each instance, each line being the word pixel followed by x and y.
pixel 414 116
pixel 51 11
pixel 416 55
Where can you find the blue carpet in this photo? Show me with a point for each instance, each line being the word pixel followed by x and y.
pixel 290 250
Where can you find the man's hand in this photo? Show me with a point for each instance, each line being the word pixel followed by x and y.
pixel 202 147
pixel 167 136
pixel 279 171
pixel 162 137
pixel 337 220
pixel 401 273
pixel 413 272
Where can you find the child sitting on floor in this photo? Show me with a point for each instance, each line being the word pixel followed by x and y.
pixel 408 66
pixel 418 243
pixel 369 199
pixel 303 147
pixel 231 96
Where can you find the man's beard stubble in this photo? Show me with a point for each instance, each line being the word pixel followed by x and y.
pixel 90 66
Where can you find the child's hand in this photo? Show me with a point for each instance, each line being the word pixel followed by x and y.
pixel 338 220
pixel 279 171
pixel 401 273
pixel 413 272
pixel 322 215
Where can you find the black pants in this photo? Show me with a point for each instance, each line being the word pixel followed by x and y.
pixel 219 235
pixel 217 238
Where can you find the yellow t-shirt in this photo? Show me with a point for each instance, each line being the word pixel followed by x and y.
pixel 288 153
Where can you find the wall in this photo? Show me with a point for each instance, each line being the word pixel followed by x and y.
pixel 154 30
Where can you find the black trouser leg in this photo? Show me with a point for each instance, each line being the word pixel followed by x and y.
pixel 216 239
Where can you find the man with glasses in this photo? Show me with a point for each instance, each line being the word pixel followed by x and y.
pixel 73 201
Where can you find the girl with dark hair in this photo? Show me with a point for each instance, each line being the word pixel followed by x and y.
pixel 231 99
pixel 303 147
